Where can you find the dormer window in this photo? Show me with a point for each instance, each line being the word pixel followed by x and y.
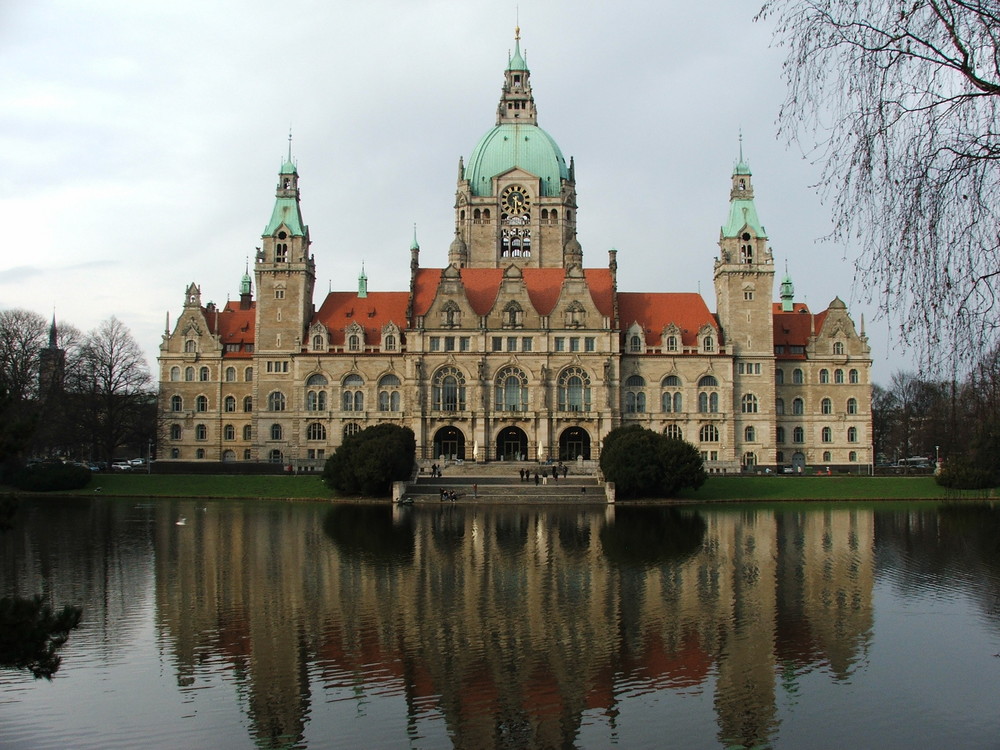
pixel 708 343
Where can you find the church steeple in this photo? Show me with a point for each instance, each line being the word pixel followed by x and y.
pixel 516 102
pixel 787 293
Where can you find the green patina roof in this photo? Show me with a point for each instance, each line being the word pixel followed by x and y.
pixel 741 166
pixel 286 211
pixel 517 62
pixel 742 213
pixel 511 145
pixel 288 168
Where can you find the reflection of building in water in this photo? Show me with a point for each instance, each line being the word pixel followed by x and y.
pixel 514 625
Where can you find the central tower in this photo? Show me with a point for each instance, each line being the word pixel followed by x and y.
pixel 516 199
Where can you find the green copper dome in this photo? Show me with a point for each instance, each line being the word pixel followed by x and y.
pixel 511 145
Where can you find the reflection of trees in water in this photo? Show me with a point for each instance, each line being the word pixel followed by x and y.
pixel 511 531
pixel 574 535
pixel 643 537
pixel 448 528
pixel 31 634
pixel 368 533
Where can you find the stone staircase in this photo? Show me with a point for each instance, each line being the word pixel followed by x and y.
pixel 500 483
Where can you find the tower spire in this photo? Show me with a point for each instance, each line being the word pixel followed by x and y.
pixel 516 102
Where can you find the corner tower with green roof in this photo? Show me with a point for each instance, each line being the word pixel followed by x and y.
pixel 516 196
pixel 284 269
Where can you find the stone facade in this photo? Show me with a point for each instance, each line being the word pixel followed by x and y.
pixel 515 350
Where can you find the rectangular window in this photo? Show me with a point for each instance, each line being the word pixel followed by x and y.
pixel 435 343
pixel 511 344
pixel 497 344
pixel 232 347
pixel 779 350
pixel 464 344
pixel 574 344
pixel 740 368
pixel 590 344
pixel 279 293
pixel 560 344
pixel 277 365
pixel 713 455
pixel 526 344
pixel 796 350
pixel 449 343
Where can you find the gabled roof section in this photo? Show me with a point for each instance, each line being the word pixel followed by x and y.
pixel 233 326
pixel 794 328
pixel 544 286
pixel 372 313
pixel 287 212
pixel 654 311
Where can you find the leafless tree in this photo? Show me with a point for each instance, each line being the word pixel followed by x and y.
pixel 22 335
pixel 112 386
pixel 898 101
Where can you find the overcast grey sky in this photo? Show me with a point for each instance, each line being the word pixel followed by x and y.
pixel 141 143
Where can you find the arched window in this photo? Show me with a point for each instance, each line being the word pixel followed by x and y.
pixel 389 343
pixel 852 456
pixel 573 390
pixel 230 374
pixel 708 344
pixel 388 393
pixel 175 373
pixel 247 432
pixel 352 428
pixel 671 402
pixel 189 374
pixel 779 406
pixel 200 453
pixel 852 406
pixel 709 433
pixel 248 403
pixel 315 431
pixel 852 377
pixel 798 435
pixel 708 400
pixel 448 390
pixel 838 347
pixel 229 404
pixel 826 435
pixel 852 434
pixel 635 344
pixel 671 343
pixel 228 432
pixel 826 406
pixel 635 397
pixel 798 406
pixel 175 453
pixel 201 403
pixel 708 381
pixel 275 457
pixel 749 434
pixel 671 381
pixel 190 346
pixel 748 404
pixel 276 431
pixel 838 376
pixel 797 376
pixel 827 456
pixel 824 376
pixel 175 432
pixel 319 341
pixel 779 377
pixel 276 401
pixel 673 432
pixel 200 432
pixel 248 374
pixel 176 403
pixel 316 401
pixel 511 389
pixel 203 374
pixel 513 315
pixel 354 343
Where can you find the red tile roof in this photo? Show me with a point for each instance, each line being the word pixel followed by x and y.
pixel 483 284
pixel 794 328
pixel 340 309
pixel 656 310
pixel 233 325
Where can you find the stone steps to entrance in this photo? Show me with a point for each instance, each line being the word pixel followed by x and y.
pixel 493 483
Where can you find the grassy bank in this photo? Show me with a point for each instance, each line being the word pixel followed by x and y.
pixel 209 485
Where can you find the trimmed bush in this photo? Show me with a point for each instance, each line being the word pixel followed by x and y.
pixel 51 476
pixel 643 463
pixel 369 462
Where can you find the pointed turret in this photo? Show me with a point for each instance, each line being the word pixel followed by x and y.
pixel 362 283
pixel 53 334
pixel 246 288
pixel 787 293
pixel 516 102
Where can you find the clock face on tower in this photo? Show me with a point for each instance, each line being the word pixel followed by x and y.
pixel 514 200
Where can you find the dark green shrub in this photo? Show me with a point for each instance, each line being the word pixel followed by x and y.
pixel 369 462
pixel 643 463
pixel 960 474
pixel 51 476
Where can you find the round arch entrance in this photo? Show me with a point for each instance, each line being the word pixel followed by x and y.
pixel 450 443
pixel 512 444
pixel 573 443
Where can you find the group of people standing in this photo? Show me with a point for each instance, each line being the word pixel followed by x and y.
pixel 560 468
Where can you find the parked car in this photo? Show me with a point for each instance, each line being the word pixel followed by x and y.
pixel 121 466
pixel 136 462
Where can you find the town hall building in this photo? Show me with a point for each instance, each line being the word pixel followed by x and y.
pixel 515 349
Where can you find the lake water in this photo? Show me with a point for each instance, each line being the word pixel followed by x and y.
pixel 265 624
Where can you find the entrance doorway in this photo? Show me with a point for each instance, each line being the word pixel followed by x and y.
pixel 574 442
pixel 450 443
pixel 798 461
pixel 512 444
